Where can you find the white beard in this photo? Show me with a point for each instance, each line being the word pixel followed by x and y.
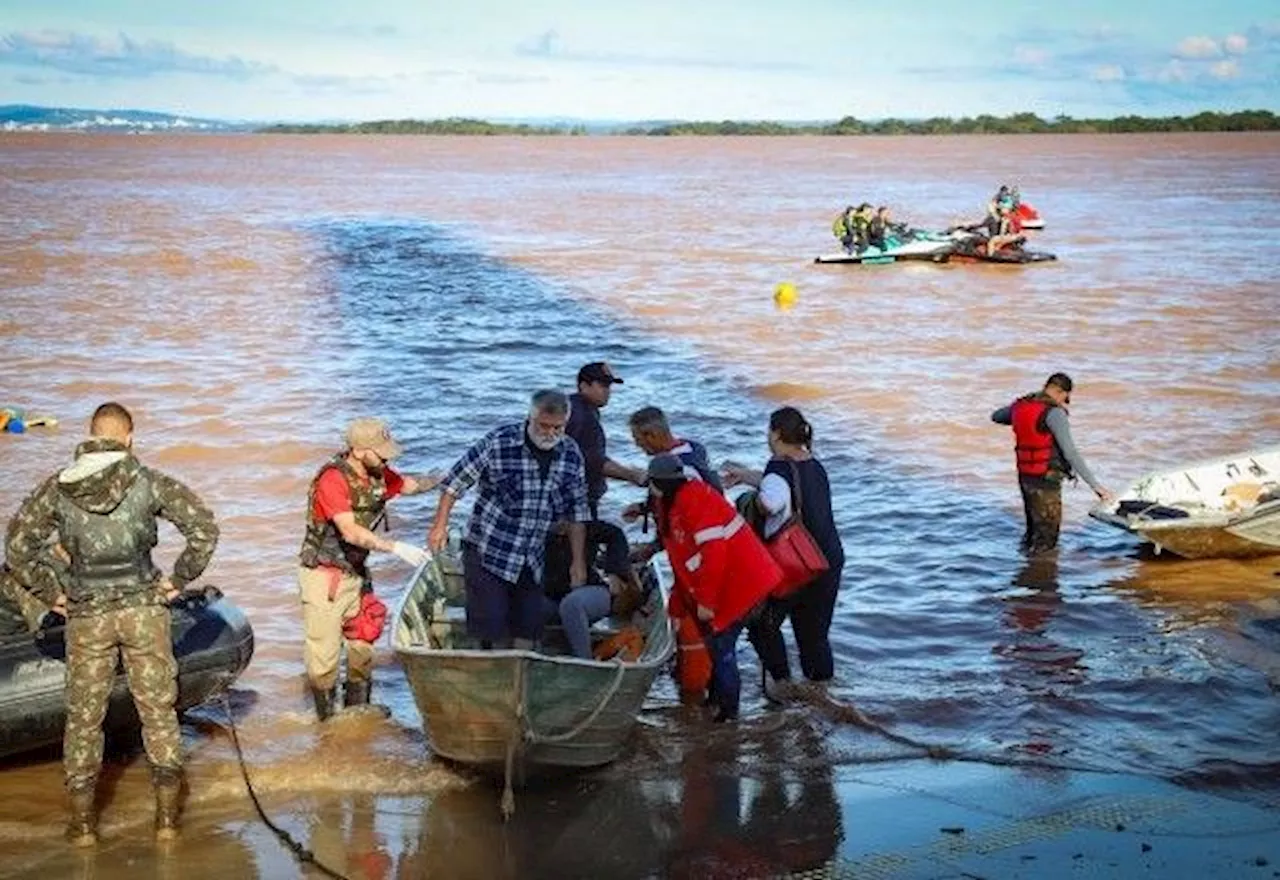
pixel 544 443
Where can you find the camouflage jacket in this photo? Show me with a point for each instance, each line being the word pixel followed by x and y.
pixel 13 596
pixel 104 499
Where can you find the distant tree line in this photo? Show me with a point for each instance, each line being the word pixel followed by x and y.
pixel 1018 123
pixel 431 126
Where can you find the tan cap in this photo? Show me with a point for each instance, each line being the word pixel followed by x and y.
pixel 372 434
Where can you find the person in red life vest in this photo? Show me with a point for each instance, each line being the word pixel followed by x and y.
pixel 345 503
pixel 652 434
pixel 1045 456
pixel 722 570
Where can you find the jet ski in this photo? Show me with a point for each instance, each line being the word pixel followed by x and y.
pixel 973 249
pixel 904 244
pixel 1028 217
pixel 212 642
pixel 964 244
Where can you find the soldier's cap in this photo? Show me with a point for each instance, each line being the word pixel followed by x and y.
pixel 666 467
pixel 600 372
pixel 372 434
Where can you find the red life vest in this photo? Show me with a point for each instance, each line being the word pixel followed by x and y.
pixel 1033 442
pixel 717 559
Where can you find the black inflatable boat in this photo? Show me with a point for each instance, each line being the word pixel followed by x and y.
pixel 212 642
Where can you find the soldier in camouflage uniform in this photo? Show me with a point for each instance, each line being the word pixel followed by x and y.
pixel 104 509
pixel 29 605
pixel 44 605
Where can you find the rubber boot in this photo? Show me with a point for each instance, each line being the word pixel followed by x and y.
pixel 356 693
pixel 82 826
pixel 168 787
pixel 355 699
pixel 324 702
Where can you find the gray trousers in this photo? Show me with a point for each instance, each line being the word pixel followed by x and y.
pixel 577 611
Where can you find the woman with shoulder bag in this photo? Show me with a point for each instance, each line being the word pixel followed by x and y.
pixel 795 497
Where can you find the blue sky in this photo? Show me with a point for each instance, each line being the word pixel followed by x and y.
pixel 645 59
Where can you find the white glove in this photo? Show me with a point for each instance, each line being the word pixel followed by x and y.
pixel 415 556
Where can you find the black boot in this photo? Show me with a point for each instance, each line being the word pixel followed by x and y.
pixel 355 697
pixel 324 702
pixel 355 693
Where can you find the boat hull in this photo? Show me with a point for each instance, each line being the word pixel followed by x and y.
pixel 470 703
pixel 212 643
pixel 1211 540
pixel 1210 509
pixel 503 710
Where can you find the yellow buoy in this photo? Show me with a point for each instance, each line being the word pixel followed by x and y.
pixel 784 295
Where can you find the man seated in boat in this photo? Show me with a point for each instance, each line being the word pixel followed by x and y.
pixel 529 476
pixel 615 591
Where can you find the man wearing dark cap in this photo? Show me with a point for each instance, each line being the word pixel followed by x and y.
pixel 1045 455
pixel 595 385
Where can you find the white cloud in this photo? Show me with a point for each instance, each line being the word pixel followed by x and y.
pixel 1108 73
pixel 1236 44
pixel 1173 72
pixel 1228 69
pixel 1193 48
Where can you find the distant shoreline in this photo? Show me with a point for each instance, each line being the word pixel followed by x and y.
pixel 1018 123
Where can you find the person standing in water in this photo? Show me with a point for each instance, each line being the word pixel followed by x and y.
pixel 792 472
pixel 1045 455
pixel 104 508
pixel 347 499
pixel 722 570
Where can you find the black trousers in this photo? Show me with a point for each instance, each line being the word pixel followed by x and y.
pixel 606 546
pixel 810 610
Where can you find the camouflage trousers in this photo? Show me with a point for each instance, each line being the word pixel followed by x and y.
pixel 94 643
pixel 1042 504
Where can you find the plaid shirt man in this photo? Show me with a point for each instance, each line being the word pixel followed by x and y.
pixel 515 507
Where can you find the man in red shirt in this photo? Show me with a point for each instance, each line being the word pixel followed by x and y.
pixel 346 502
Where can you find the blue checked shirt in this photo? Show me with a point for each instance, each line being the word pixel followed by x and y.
pixel 515 507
